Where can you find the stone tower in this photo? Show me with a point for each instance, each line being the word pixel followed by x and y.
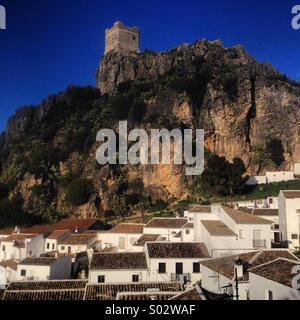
pixel 122 39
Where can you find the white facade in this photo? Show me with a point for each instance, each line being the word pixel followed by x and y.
pixel 170 270
pixel 279 176
pixel 7 275
pixel 123 242
pixel 58 270
pixel 263 289
pixel 219 284
pixel 118 276
pixel 19 250
pixel 248 236
pixel 289 219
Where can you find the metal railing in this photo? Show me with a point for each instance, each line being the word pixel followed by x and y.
pixel 184 278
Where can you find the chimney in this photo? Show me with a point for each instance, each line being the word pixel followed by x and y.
pixel 76 230
pixel 16 229
pixel 239 268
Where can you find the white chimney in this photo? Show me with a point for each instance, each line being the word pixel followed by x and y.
pixel 76 230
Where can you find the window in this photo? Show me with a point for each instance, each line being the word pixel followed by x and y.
pixel 276 226
pixel 101 279
pixel 53 246
pixel 241 234
pixel 134 38
pixel 3 248
pixel 271 200
pixel 294 237
pixel 135 278
pixel 23 273
pixel 162 267
pixel 69 249
pixel 196 267
pixel 174 233
pixel 48 245
pixel 187 231
pixel 122 243
pixel 62 248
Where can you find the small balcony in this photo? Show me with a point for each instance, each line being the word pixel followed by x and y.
pixel 183 278
pixel 259 244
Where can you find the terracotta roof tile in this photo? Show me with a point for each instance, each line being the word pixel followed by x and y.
pixel 40 261
pixel 240 217
pixel 119 261
pixel 79 239
pixel 12 264
pixel 18 237
pixel 260 212
pixel 200 209
pixel 146 238
pixel 291 194
pixel 217 228
pixel 169 223
pixel 225 265
pixel 128 228
pixel 180 250
pixel 110 291
pixel 57 234
pixel 278 271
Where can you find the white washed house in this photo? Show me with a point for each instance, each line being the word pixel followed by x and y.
pixel 44 268
pixel 289 218
pixel 123 267
pixel 54 238
pixel 75 243
pixel 219 275
pixel 268 214
pixel 170 229
pixel 274 280
pixel 8 272
pixel 227 231
pixel 18 246
pixel 122 237
pixel 170 261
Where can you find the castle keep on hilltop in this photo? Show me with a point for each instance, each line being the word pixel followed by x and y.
pixel 121 38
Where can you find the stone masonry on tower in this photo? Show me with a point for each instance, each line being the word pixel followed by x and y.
pixel 122 39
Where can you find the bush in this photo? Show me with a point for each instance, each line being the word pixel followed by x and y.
pixel 79 192
pixel 3 191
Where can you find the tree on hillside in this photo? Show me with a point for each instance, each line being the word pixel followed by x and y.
pixel 221 178
pixel 276 151
pixel 261 157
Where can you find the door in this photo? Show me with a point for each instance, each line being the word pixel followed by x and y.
pixel 179 268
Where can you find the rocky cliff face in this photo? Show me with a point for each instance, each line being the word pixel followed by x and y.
pixel 239 102
pixel 265 104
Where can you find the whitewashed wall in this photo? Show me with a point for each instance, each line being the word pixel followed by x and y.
pixel 259 287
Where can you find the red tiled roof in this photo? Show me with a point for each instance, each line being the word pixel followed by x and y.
pixel 18 237
pixel 12 264
pixel 279 271
pixel 260 212
pixel 128 228
pixel 77 239
pixel 169 223
pixel 291 194
pixel 119 261
pixel 178 250
pixel 225 265
pixel 240 217
pixel 56 234
pixel 217 228
pixel 200 209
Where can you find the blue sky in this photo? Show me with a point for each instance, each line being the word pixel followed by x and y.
pixel 50 44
